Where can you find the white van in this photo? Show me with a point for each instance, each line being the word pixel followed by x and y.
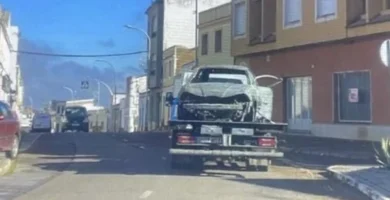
pixel 41 123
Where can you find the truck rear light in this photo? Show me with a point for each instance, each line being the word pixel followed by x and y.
pixel 267 142
pixel 185 139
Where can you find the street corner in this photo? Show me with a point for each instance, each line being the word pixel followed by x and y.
pixel 372 181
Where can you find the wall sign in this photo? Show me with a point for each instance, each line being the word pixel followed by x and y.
pixel 353 95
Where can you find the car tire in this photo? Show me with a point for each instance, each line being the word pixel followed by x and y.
pixel 13 153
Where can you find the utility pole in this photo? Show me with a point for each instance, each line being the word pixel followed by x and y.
pixel 196 33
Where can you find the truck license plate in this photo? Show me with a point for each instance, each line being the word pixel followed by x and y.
pixel 210 129
pixel 210 140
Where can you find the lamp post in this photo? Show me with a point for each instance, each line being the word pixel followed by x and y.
pixel 115 89
pixel 148 62
pixel 70 90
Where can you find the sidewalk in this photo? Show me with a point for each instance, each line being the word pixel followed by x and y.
pixel 327 147
pixel 370 180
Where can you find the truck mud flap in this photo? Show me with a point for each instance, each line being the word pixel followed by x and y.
pixel 226 153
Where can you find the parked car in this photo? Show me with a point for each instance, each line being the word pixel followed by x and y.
pixel 75 119
pixel 41 123
pixel 10 133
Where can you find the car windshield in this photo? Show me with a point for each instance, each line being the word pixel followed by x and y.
pixel 75 111
pixel 221 76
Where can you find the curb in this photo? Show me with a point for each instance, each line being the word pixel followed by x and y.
pixel 5 167
pixel 365 189
pixel 323 154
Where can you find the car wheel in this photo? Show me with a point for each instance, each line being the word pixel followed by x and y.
pixel 13 153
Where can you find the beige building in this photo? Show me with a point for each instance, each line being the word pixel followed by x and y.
pixel 215 36
pixel 173 58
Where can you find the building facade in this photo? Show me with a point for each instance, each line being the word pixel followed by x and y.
pixel 215 36
pixel 169 23
pixel 174 57
pixel 135 86
pixel 329 54
pixel 142 118
pixel 9 41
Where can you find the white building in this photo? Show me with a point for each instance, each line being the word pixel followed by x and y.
pixel 115 116
pixel 142 110
pixel 134 86
pixel 6 58
pixel 170 23
pixel 11 90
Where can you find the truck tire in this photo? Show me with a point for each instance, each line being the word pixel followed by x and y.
pixel 258 164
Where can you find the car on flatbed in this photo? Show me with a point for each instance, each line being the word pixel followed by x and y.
pixel 224 114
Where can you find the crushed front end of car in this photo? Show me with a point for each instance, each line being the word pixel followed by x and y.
pixel 222 102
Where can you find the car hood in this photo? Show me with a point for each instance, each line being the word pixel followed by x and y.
pixel 220 90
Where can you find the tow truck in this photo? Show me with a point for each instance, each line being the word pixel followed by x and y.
pixel 197 141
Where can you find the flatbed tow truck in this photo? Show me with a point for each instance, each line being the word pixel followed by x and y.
pixel 190 145
pixel 195 141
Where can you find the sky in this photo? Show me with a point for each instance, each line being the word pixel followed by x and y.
pixel 76 27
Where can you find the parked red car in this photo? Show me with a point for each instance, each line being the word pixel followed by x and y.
pixel 9 131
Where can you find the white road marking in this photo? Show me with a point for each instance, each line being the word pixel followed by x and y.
pixel 146 194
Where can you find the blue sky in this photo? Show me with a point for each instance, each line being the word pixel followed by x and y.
pixel 76 27
pixel 82 27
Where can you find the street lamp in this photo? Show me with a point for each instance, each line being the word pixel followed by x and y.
pixel 146 35
pixel 98 89
pixel 148 60
pixel 70 90
pixel 115 88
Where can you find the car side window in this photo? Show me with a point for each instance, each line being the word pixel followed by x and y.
pixel 3 111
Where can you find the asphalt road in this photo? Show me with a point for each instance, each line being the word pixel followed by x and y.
pixel 103 166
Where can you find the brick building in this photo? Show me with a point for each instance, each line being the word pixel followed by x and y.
pixel 336 83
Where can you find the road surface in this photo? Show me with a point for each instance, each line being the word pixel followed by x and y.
pixel 103 166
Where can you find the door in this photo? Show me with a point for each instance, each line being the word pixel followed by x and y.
pixel 299 104
pixel 3 131
pixel 6 127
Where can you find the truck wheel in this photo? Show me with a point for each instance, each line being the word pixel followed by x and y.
pixel 258 164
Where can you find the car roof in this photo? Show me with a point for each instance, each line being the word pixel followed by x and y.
pixel 238 67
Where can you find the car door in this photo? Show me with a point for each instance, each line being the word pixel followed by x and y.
pixel 5 135
pixel 12 121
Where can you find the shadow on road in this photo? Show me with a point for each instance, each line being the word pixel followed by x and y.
pixel 105 154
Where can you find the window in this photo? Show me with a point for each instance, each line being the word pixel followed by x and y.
pixel 218 41
pixel 205 42
pixel 239 20
pixel 153 26
pixel 233 76
pixel 352 96
pixel 169 68
pixel 387 7
pixel 3 111
pixel 292 11
pixel 326 9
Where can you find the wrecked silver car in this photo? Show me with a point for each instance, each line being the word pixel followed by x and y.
pixel 225 93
